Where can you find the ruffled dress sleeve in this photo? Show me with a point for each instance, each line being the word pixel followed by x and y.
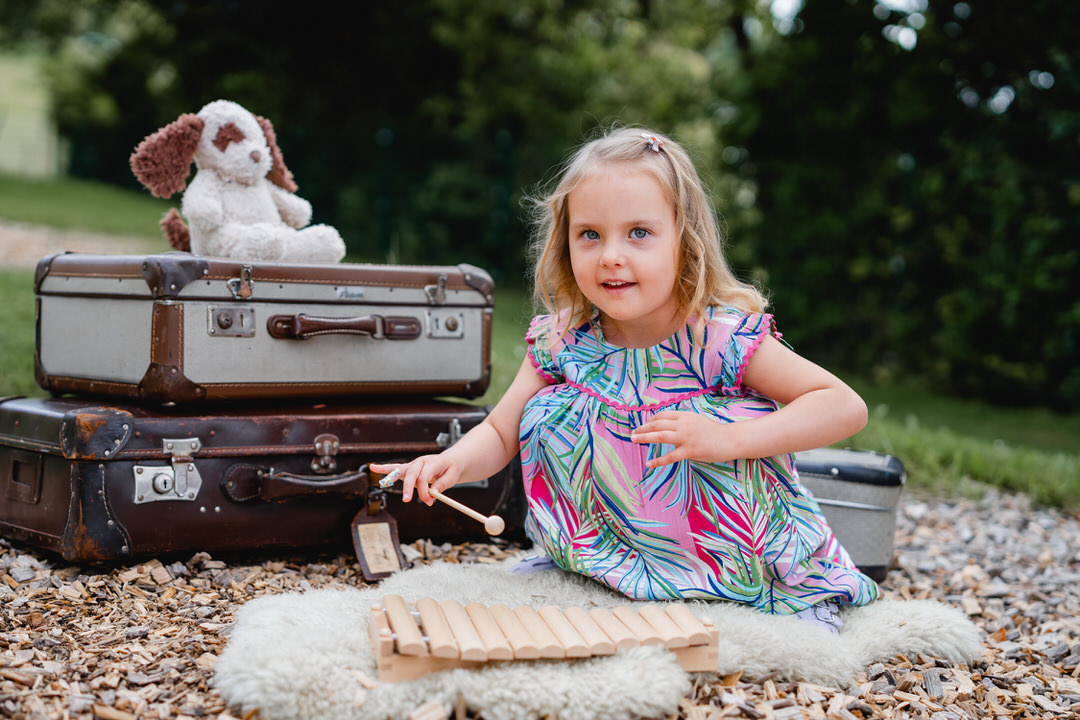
pixel 541 348
pixel 744 333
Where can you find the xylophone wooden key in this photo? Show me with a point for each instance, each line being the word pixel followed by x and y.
pixel 495 642
pixel 695 630
pixel 573 644
pixel 410 641
pixel 672 635
pixel 545 639
pixel 614 628
pixel 643 631
pixel 468 640
pixel 522 642
pixel 441 640
pixel 594 636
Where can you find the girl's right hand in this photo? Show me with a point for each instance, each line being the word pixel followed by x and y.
pixel 481 452
pixel 422 473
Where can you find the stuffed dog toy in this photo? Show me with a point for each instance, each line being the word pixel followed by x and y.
pixel 241 202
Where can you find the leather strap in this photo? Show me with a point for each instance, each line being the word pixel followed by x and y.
pixel 243 483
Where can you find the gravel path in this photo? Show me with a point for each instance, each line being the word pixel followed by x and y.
pixel 141 640
pixel 22 244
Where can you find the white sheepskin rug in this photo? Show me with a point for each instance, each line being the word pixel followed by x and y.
pixel 300 656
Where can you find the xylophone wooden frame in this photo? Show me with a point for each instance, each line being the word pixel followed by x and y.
pixel 450 635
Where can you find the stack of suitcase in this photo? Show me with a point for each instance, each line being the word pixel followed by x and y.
pixel 207 404
pixel 222 405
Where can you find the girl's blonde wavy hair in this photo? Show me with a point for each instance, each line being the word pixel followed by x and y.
pixel 704 277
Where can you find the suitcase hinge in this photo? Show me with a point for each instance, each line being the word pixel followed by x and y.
pixel 241 287
pixel 178 481
pixel 326 447
pixel 436 294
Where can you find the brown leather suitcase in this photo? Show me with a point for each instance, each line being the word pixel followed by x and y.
pixel 180 328
pixel 100 482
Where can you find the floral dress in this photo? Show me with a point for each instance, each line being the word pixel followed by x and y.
pixel 745 531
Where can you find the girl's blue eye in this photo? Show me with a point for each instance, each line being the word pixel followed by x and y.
pixel 590 235
pixel 639 233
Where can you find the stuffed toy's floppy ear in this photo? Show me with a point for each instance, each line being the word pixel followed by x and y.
pixel 279 174
pixel 163 160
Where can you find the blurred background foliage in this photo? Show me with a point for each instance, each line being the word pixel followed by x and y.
pixel 901 176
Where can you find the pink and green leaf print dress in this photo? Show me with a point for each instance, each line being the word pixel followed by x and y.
pixel 746 531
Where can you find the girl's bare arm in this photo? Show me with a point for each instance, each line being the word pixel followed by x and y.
pixel 817 409
pixel 480 453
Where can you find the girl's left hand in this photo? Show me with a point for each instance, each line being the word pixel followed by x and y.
pixel 694 437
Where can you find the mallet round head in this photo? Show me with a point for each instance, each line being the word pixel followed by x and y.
pixel 494 525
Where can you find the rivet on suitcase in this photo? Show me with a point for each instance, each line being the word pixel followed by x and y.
pixel 99 482
pixel 180 328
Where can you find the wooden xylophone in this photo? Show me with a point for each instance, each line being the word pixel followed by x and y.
pixel 410 643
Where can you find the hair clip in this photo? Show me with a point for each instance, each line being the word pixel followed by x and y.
pixel 654 142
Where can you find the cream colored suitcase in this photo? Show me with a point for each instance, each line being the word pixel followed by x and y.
pixel 181 328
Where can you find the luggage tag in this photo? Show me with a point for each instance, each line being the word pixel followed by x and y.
pixel 375 539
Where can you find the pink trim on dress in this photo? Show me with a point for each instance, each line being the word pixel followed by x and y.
pixel 771 329
pixel 642 408
pixel 539 370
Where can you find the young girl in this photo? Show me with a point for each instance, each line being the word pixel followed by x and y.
pixel 656 411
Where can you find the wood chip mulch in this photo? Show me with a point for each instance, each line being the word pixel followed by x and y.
pixel 140 641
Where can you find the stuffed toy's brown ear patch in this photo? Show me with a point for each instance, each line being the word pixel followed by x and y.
pixel 279 174
pixel 226 134
pixel 163 160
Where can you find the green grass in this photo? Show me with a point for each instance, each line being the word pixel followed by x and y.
pixel 1038 428
pixel 71 204
pixel 512 315
pixel 946 461
pixel 17 333
pixel 949 446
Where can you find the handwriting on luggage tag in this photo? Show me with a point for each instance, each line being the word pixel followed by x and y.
pixel 375 540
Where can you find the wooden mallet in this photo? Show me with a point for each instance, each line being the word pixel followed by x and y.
pixel 493 524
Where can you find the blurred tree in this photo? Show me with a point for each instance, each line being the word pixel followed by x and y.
pixel 415 129
pixel 918 190
pixel 901 174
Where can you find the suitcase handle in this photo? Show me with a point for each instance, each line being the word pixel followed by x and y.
pixel 247 482
pixel 302 326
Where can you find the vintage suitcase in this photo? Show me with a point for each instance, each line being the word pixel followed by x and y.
pixel 858 491
pixel 98 482
pixel 181 328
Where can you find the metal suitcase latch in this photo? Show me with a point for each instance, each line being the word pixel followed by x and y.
pixel 178 481
pixel 436 294
pixel 241 287
pixel 326 447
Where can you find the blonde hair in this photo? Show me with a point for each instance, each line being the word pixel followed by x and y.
pixel 704 277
